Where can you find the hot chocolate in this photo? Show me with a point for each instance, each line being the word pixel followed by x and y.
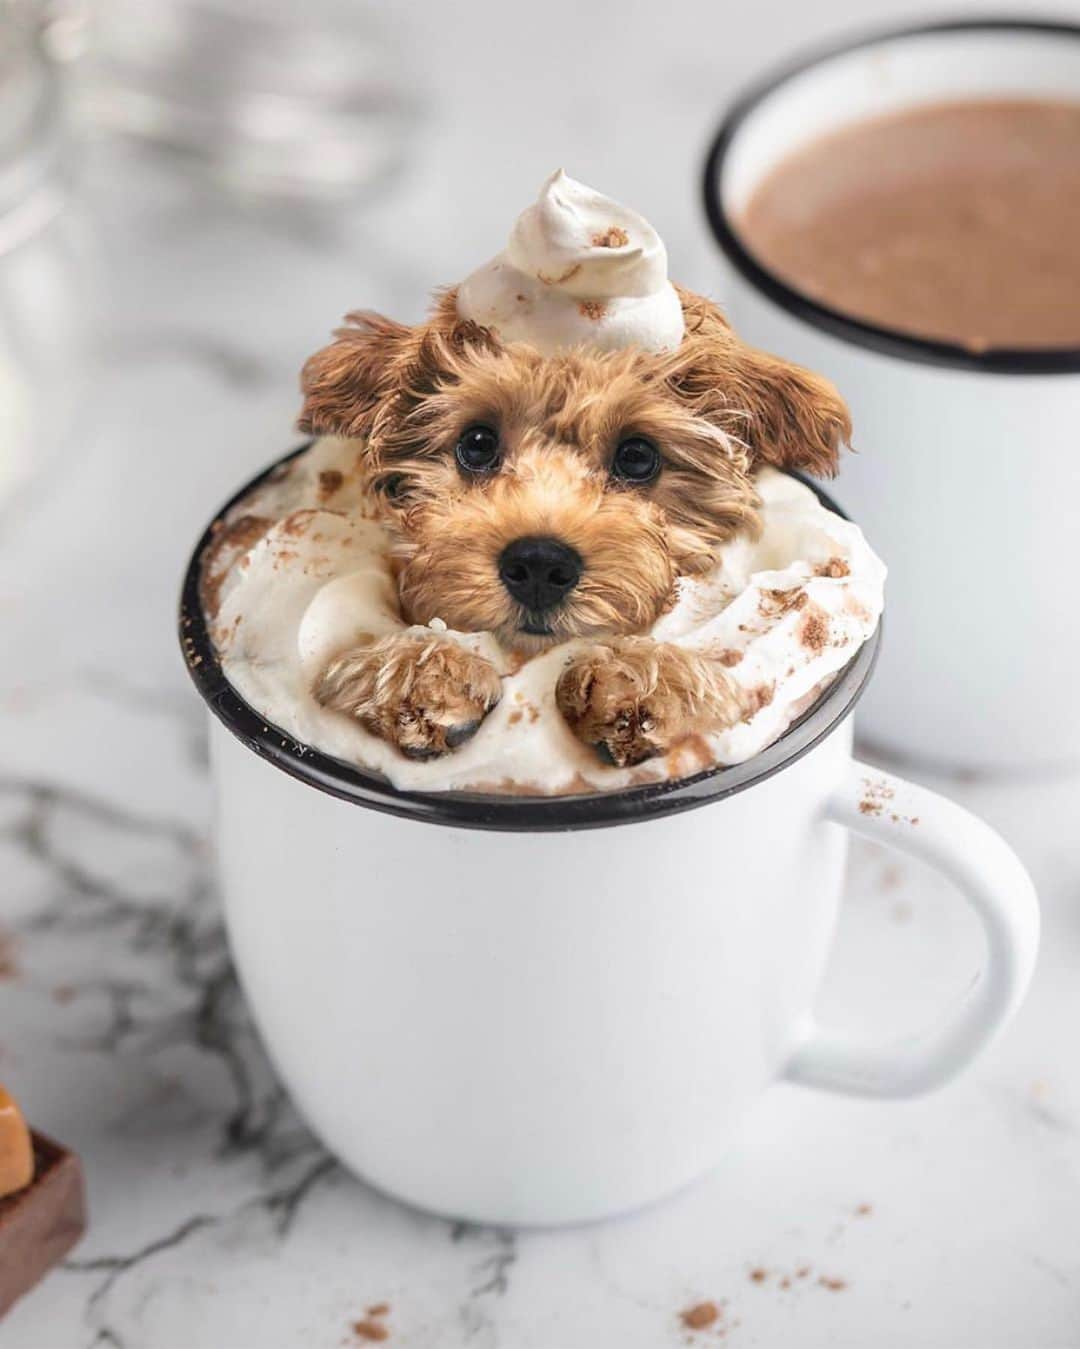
pixel 955 221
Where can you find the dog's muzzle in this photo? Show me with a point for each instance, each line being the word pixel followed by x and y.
pixel 539 573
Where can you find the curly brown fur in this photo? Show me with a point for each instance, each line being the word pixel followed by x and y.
pixel 426 695
pixel 786 415
pixel 716 409
pixel 633 698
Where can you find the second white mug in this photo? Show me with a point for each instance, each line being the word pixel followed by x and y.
pixel 968 473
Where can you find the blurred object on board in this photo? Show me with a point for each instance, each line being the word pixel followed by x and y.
pixel 45 258
pixel 41 1221
pixel 16 1150
pixel 277 98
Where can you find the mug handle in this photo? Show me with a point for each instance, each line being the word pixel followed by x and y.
pixel 991 878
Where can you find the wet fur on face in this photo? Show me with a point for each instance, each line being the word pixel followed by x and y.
pixel 715 409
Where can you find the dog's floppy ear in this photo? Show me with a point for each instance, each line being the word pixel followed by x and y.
pixel 344 383
pixel 376 369
pixel 785 415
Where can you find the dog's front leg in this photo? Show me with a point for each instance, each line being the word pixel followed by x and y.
pixel 423 693
pixel 631 698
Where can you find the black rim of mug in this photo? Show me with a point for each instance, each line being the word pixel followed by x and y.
pixel 476 810
pixel 875 337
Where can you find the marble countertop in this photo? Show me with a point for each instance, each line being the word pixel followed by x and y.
pixel 217 1220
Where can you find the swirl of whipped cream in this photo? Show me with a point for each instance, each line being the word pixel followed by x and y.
pixel 294 579
pixel 578 270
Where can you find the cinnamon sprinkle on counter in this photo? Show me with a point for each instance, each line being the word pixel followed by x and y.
pixel 9 966
pixel 370 1330
pixel 700 1316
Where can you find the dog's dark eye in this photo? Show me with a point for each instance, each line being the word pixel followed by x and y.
pixel 478 450
pixel 636 460
pixel 392 486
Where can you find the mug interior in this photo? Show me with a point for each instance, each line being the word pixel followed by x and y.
pixel 870 78
pixel 484 810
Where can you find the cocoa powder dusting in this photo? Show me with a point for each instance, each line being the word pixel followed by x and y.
pixel 298 524
pixel 729 657
pixel 836 567
pixel 330 480
pixel 238 536
pixel 613 237
pixel 756 699
pixel 833 1285
pixel 592 309
pixel 773 603
pixel 813 630
pixel 758 1275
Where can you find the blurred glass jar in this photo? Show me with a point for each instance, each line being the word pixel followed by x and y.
pixel 45 261
pixel 295 99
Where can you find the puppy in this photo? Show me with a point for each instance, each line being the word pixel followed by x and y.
pixel 549 498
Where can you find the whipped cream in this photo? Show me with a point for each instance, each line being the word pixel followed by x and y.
pixel 579 269
pixel 300 571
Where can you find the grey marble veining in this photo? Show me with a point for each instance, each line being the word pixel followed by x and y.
pixel 217 1220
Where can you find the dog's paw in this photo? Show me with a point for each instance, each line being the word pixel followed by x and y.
pixel 632 698
pixel 426 695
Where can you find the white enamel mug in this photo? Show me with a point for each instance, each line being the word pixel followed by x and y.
pixel 968 476
pixel 546 1010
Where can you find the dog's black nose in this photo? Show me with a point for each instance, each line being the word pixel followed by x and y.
pixel 539 573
